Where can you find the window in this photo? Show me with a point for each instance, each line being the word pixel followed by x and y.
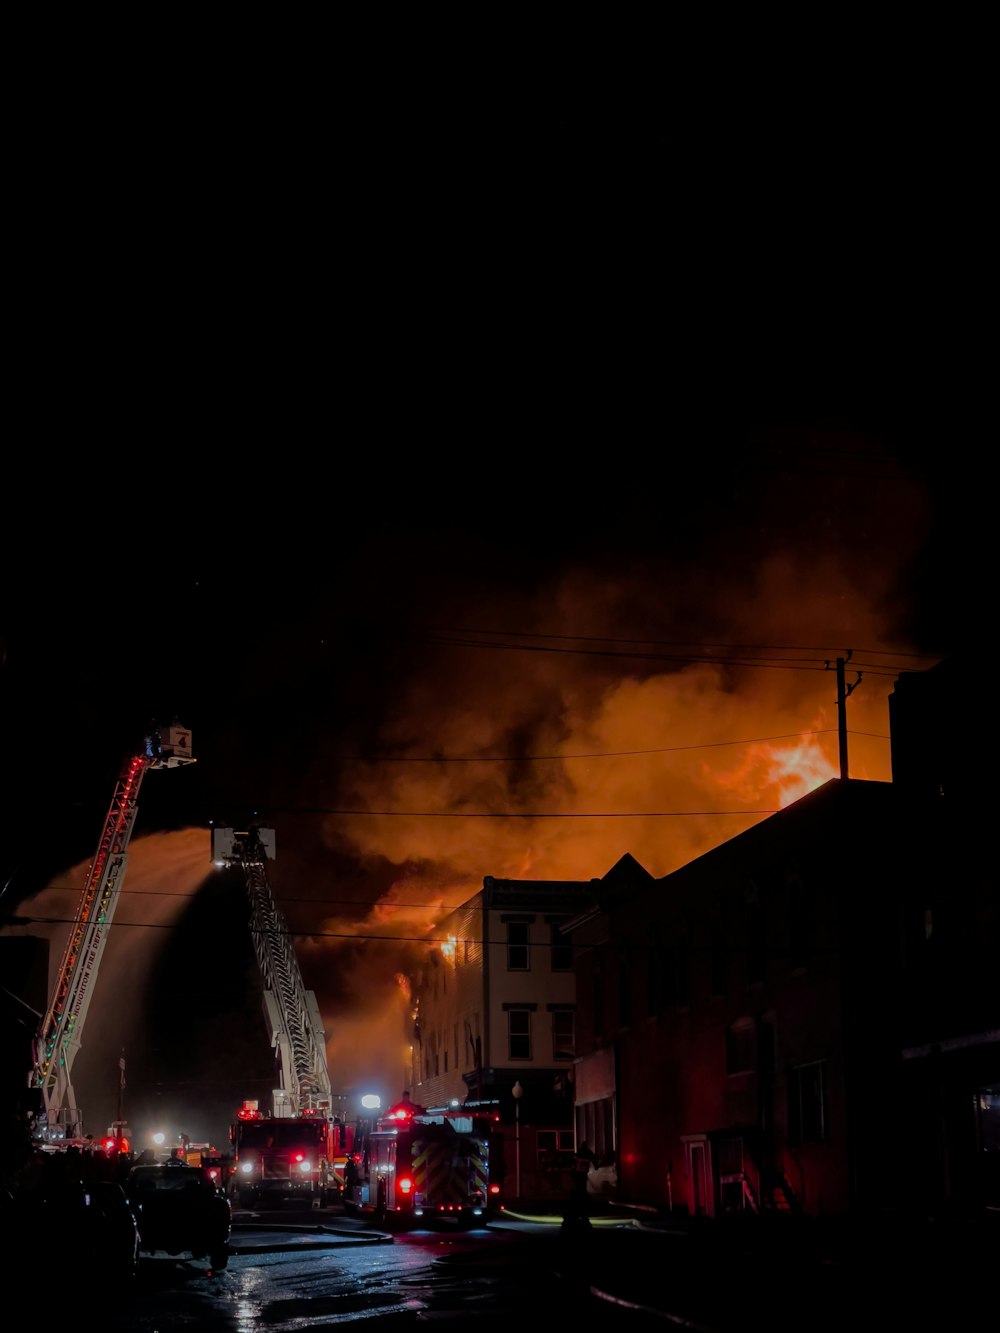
pixel 517 946
pixel 807 1103
pixel 555 1149
pixel 518 1034
pixel 562 950
pixel 563 1034
pixel 741 1047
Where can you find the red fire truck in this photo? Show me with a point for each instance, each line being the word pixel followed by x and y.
pixel 412 1164
pixel 281 1157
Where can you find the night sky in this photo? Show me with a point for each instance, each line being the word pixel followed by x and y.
pixel 526 466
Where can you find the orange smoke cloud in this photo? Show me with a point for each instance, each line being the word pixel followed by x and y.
pixel 663 759
pixel 708 746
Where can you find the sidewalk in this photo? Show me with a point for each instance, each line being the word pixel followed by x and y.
pixel 785 1274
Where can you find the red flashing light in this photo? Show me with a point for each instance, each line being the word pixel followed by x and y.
pixel 299 1157
pixel 494 1189
pixel 404 1184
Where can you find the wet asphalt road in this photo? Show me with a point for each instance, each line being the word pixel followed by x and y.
pixel 299 1271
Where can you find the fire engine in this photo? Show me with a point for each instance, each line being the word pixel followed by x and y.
pixel 281 1157
pixel 60 1033
pixel 289 1151
pixel 411 1164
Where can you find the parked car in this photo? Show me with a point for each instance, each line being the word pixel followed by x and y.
pixel 179 1211
pixel 120 1231
pixel 92 1219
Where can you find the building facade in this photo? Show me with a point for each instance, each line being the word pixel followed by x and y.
pixel 495 1021
pixel 806 1017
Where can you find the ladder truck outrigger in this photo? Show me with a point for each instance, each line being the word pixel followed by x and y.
pixel 60 1033
pixel 293 1148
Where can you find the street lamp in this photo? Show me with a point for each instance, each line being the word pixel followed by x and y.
pixel 517 1092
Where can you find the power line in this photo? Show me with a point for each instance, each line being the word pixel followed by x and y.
pixel 516 814
pixel 365 936
pixel 768 648
pixel 597 754
pixel 635 656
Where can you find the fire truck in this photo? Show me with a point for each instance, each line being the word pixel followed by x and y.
pixel 288 1151
pixel 413 1164
pixel 278 1158
pixel 60 1033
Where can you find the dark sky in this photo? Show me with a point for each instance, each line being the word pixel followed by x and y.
pixel 551 439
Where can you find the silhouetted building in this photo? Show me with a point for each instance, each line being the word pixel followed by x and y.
pixel 806 1017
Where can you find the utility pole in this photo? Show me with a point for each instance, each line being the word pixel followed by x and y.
pixel 844 692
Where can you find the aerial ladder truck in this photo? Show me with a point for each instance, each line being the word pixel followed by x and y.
pixel 60 1033
pixel 291 1149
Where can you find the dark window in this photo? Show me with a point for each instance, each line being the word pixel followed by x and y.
pixel 555 1149
pixel 517 946
pixel 562 951
pixel 519 1034
pixel 740 1047
pixel 807 1103
pixel 563 1034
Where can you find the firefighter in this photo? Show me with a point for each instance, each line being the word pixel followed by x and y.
pixel 577 1214
pixel 405 1107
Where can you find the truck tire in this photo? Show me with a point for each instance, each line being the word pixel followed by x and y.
pixel 219 1261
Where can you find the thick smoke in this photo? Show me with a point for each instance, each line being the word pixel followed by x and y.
pixel 689 689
